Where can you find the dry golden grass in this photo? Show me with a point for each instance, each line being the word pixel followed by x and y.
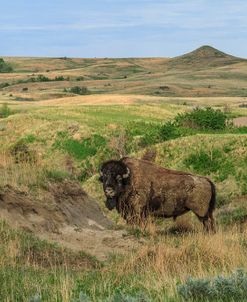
pixel 170 259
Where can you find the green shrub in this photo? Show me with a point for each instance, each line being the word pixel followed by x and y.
pixel 169 131
pixel 220 288
pixel 3 85
pixel 108 287
pixel 79 90
pixel 42 78
pixel 80 78
pixel 5 67
pixel 230 216
pixel 203 118
pixel 5 111
pixel 59 78
pixel 142 134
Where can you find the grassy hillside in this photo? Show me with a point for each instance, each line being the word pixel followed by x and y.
pixel 203 72
pixel 49 136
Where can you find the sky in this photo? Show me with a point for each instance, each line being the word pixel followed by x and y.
pixel 121 28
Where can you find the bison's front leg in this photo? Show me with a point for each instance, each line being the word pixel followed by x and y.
pixel 137 213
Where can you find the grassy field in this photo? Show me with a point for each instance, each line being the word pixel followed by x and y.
pixel 204 72
pixel 48 135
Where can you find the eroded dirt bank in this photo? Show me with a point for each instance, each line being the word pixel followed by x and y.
pixel 64 213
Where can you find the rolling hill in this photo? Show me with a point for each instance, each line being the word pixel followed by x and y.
pixel 204 57
pixel 205 71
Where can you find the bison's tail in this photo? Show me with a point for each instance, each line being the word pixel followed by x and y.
pixel 212 202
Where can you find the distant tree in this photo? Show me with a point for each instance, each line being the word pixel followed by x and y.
pixel 5 67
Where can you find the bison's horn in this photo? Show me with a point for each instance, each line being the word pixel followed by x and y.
pixel 127 174
pixel 100 173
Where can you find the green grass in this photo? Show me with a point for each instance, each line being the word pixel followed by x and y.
pixel 79 149
pixel 30 266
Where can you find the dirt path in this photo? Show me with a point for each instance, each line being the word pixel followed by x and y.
pixel 67 215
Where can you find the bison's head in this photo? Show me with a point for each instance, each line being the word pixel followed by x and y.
pixel 114 175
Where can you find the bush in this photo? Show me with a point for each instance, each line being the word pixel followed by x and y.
pixel 5 67
pixel 5 111
pixel 80 78
pixel 79 90
pixel 42 78
pixel 230 216
pixel 3 85
pixel 142 134
pixel 220 288
pixel 171 130
pixel 59 78
pixel 203 118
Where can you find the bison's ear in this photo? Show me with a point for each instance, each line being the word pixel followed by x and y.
pixel 126 176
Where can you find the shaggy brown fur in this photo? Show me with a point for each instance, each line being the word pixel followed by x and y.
pixel 161 192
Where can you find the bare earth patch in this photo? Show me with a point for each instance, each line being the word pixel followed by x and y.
pixel 67 215
pixel 240 121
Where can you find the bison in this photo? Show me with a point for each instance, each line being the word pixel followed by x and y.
pixel 139 188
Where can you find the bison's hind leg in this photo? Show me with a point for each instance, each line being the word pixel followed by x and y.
pixel 208 222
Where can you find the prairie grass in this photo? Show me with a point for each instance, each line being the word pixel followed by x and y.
pixel 168 253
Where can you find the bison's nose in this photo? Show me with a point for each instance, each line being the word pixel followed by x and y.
pixel 109 192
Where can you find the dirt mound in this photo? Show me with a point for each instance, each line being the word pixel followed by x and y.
pixel 66 214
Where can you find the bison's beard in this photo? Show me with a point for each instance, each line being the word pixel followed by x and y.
pixel 111 203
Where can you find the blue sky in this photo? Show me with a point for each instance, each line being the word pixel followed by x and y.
pixel 121 28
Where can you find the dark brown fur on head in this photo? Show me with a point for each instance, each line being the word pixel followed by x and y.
pixel 114 175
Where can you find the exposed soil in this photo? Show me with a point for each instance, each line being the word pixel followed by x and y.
pixel 64 213
pixel 240 121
